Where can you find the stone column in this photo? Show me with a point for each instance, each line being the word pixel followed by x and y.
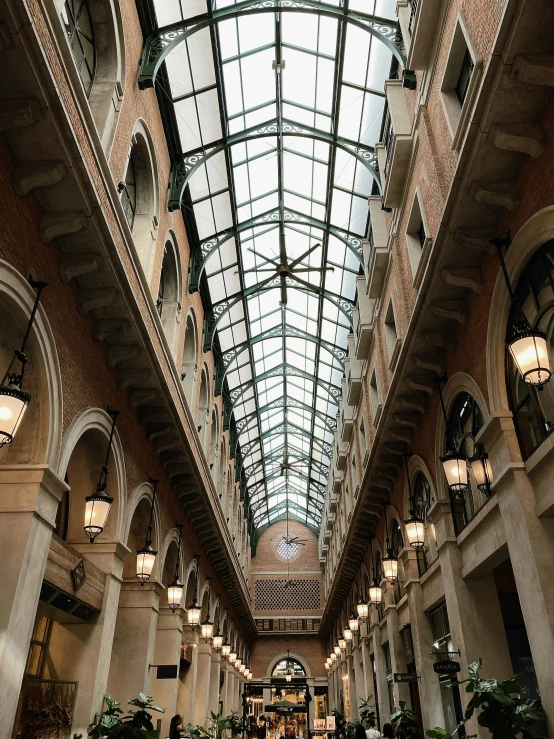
pixel 380 671
pixel 369 687
pixel 29 497
pixel 83 651
pixel 473 610
pixel 422 637
pixel 186 689
pixel 396 644
pixel 342 671
pixel 215 671
pixel 224 667
pixel 167 651
pixel 201 702
pixel 531 546
pixel 351 672
pixel 361 692
pixel 134 640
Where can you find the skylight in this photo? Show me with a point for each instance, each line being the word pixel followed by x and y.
pixel 279 105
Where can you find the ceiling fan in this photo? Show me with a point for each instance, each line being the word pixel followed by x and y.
pixel 283 268
pixel 286 465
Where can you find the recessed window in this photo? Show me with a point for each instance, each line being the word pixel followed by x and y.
pixel 416 240
pixel 129 193
pixel 391 335
pixel 464 77
pixel 374 397
pixel 80 34
pixel 457 79
pixel 363 439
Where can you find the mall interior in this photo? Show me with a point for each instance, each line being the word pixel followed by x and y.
pixel 274 445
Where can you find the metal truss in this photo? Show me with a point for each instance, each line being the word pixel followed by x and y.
pixel 231 355
pixel 220 309
pixel 281 370
pixel 284 428
pixel 193 160
pixel 207 247
pixel 161 43
pixel 277 456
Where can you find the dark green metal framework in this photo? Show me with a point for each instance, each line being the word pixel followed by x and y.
pixel 159 45
pixel 207 247
pixel 255 492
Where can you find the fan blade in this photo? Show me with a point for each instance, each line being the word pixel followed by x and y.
pixel 306 253
pixel 283 290
pixel 313 288
pixel 262 256
pixel 313 269
pixel 255 269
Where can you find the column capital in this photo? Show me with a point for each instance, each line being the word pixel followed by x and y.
pixel 33 488
pixel 204 648
pixel 408 558
pixel 216 656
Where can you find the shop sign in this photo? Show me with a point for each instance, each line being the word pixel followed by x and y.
pixel 446 667
pixel 330 721
pixel 405 677
pixel 79 574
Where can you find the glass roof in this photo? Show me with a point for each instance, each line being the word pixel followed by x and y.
pixel 295 204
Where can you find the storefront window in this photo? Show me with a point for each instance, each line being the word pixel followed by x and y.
pixel 444 649
pixel 533 410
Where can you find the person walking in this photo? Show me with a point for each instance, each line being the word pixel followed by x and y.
pixel 372 732
pixel 175 727
pixel 360 732
pixel 388 732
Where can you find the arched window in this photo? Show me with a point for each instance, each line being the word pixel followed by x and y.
pixel 203 412
pixel 95 39
pixel 534 294
pixel 423 501
pixel 465 417
pixel 280 669
pixel 80 34
pixel 189 365
pixel 214 434
pixel 139 196
pixel 167 302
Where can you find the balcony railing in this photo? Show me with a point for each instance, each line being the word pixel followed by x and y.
pixel 288 624
pixel 413 13
pixel 388 140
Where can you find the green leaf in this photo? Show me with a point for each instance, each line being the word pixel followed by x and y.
pixel 437 733
pixel 151 734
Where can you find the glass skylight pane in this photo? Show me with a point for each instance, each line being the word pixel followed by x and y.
pixel 249 89
pixel 167 12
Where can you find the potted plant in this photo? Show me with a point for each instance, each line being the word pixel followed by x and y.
pixel 404 720
pixel 219 724
pixel 108 720
pixel 505 708
pixel 366 709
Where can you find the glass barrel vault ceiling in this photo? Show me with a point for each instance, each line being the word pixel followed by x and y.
pixel 272 68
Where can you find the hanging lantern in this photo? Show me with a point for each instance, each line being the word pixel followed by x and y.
pixel 336 649
pixel 225 650
pixel 353 623
pixel 175 588
pixel 194 614
pixel 455 468
pixel 218 642
pixel 97 505
pixel 375 593
pixel 334 657
pixel 146 556
pixel 482 471
pixel 529 349
pixel 238 663
pixel 390 566
pixel 288 677
pixel 415 531
pixel 232 657
pixel 342 644
pixel 13 399
pixel 207 629
pixel 362 609
pixel 347 634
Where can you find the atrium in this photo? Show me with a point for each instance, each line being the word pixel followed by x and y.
pixel 276 331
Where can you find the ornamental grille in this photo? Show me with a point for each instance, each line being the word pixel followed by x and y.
pixel 287 549
pixel 298 595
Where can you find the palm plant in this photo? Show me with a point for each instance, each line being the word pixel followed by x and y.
pixel 405 720
pixel 366 709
